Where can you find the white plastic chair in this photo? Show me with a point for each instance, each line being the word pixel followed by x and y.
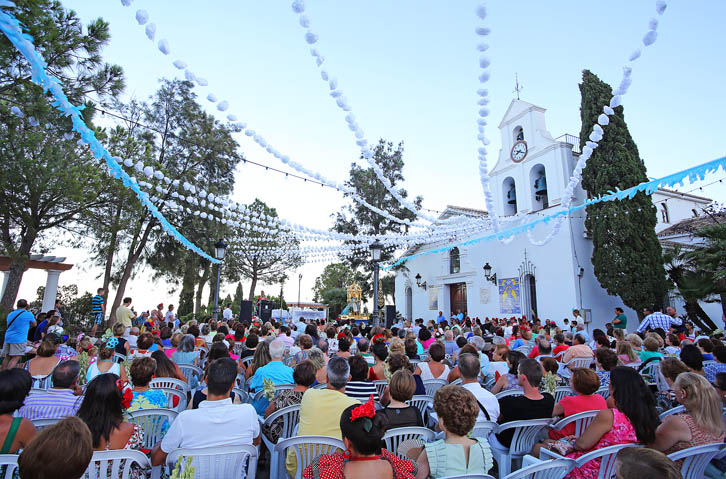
pixel 433 385
pixel 244 397
pixel 555 469
pixel 36 391
pixel 394 437
pixel 483 428
pixel 562 391
pixel 605 454
pixel 604 391
pixel 216 461
pixel 115 463
pixel 190 370
pixel 175 393
pixel 566 368
pixel 381 385
pixel 652 376
pixel 280 387
pixel 42 423
pixel 10 463
pixel 489 384
pixel 456 382
pixel 510 392
pixel 696 459
pixel 306 448
pixel 119 358
pixel 582 420
pixel 170 383
pixel 525 435
pixel 675 410
pixel 422 403
pixel 320 386
pixel 290 416
pixel 247 361
pixel 153 422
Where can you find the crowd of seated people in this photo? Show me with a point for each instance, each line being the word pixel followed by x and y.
pixel 356 383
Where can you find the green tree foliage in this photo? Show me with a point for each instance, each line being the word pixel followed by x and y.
pixel 76 310
pixel 189 145
pixel 627 255
pixel 48 181
pixel 357 219
pixel 692 283
pixel 710 260
pixel 239 295
pixel 336 299
pixel 334 276
pixel 246 260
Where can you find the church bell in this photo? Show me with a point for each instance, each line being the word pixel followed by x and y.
pixel 512 196
pixel 540 185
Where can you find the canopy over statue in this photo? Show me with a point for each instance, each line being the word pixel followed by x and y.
pixel 353 311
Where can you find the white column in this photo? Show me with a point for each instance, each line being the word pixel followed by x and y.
pixel 6 276
pixel 51 289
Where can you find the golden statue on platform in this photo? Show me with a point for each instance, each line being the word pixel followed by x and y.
pixel 353 311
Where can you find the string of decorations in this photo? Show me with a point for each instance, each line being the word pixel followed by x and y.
pixel 11 27
pixel 695 173
pixel 336 93
pixel 602 121
pixel 142 17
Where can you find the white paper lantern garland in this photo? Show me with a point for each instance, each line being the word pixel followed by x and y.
pixel 597 129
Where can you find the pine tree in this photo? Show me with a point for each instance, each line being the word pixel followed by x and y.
pixel 627 256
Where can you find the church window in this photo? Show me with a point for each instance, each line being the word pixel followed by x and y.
pixel 518 134
pixel 509 191
pixel 538 182
pixel 454 261
pixel 664 213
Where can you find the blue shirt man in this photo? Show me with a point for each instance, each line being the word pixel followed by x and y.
pixel 440 318
pixel 275 370
pixel 18 323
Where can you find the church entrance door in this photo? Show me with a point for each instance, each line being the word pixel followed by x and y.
pixel 529 300
pixel 457 293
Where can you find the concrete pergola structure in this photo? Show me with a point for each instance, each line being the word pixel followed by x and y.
pixel 53 265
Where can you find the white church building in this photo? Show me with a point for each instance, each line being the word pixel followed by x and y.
pixel 491 279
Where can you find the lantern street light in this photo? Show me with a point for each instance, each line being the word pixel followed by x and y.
pixel 220 247
pixel 488 274
pixel 376 250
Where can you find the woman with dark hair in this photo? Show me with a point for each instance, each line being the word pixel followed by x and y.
pixel 397 362
pixel 312 331
pixel 425 338
pixel 102 411
pixel 632 420
pixel 362 430
pixel 509 380
pixel 166 368
pixel 15 432
pixel 605 361
pixel 380 353
pixel 261 358
pixel 434 368
pixel 693 358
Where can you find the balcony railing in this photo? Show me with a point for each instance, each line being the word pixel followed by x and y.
pixel 572 140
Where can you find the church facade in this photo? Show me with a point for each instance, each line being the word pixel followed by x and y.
pixel 493 279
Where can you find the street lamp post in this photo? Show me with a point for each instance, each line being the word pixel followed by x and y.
pixel 299 280
pixel 219 249
pixel 376 250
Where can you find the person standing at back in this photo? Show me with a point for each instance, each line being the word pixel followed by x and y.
pixel 620 321
pixel 98 309
pixel 18 324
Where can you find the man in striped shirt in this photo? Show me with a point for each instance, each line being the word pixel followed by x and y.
pixel 655 319
pixel 98 309
pixel 62 400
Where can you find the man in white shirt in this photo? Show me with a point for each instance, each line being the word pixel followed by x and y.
pixel 170 317
pixel 227 313
pixel 216 423
pixel 469 368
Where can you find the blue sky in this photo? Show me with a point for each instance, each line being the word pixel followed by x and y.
pixel 409 70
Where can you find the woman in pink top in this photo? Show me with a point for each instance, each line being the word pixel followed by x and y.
pixel 632 420
pixel 426 339
pixel 585 383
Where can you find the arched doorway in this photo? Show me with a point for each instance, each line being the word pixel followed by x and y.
pixel 409 303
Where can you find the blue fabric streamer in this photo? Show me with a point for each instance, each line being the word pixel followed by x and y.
pixel 693 174
pixel 11 27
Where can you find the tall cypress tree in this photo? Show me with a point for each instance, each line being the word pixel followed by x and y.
pixel 628 259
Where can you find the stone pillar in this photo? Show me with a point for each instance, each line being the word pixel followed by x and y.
pixel 6 276
pixel 51 289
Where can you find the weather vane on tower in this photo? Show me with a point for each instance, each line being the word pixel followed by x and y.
pixel 517 87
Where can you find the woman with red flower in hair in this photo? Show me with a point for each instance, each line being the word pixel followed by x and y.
pixel 363 458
